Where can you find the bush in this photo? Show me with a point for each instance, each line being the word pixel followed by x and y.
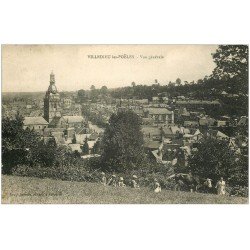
pixel 214 159
pixel 237 191
pixel 68 173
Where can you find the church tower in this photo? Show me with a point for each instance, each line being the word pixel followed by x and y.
pixel 52 101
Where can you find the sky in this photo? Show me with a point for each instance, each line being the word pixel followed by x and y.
pixel 26 68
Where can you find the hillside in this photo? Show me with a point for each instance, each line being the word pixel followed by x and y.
pixel 33 190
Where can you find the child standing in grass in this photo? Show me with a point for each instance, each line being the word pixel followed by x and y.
pixel 103 179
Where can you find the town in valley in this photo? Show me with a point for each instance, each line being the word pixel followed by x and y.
pixel 181 136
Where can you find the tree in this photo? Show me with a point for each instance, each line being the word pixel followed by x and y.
pixel 93 93
pixel 74 139
pixel 123 142
pixel 81 94
pixel 214 159
pixel 46 153
pixel 232 63
pixel 17 143
pixel 96 148
pixel 104 90
pixel 85 147
pixel 178 81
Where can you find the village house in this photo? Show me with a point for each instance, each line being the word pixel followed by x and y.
pixel 159 115
pixel 155 99
pixel 206 121
pixel 37 123
pixel 152 133
pixel 194 105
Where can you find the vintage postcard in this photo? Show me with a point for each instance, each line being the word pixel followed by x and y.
pixel 124 124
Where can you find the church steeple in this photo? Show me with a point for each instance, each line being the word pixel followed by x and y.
pixel 52 87
pixel 52 78
pixel 52 101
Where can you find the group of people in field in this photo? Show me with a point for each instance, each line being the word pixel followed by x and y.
pixel 193 183
pixel 119 182
pixel 196 183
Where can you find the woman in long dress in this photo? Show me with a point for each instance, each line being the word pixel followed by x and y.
pixel 221 187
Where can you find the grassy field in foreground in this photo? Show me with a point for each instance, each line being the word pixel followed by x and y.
pixel 16 190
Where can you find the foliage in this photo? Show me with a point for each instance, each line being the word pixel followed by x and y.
pixel 17 143
pixel 93 117
pixel 238 191
pixel 61 172
pixel 104 90
pixel 232 62
pixel 74 139
pixel 81 95
pixel 123 142
pixel 45 153
pixel 25 147
pixel 85 147
pixel 239 173
pixel 97 147
pixel 178 81
pixel 214 159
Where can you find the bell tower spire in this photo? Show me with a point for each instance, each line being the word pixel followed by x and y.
pixel 52 101
pixel 52 78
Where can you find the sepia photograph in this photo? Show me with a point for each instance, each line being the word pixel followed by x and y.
pixel 124 124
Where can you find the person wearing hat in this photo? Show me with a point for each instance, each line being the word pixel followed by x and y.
pixel 121 183
pixel 112 181
pixel 134 182
pixel 103 179
pixel 157 186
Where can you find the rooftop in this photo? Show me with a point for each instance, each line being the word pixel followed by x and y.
pixel 159 111
pixel 151 130
pixel 73 118
pixel 36 120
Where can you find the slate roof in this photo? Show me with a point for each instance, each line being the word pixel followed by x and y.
pixel 73 118
pixel 48 131
pixel 39 120
pixel 93 136
pixel 159 111
pixel 152 144
pixel 167 131
pixel 55 121
pixel 215 102
pixel 175 129
pixel 151 130
pixel 191 123
pixel 81 131
pixel 147 120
